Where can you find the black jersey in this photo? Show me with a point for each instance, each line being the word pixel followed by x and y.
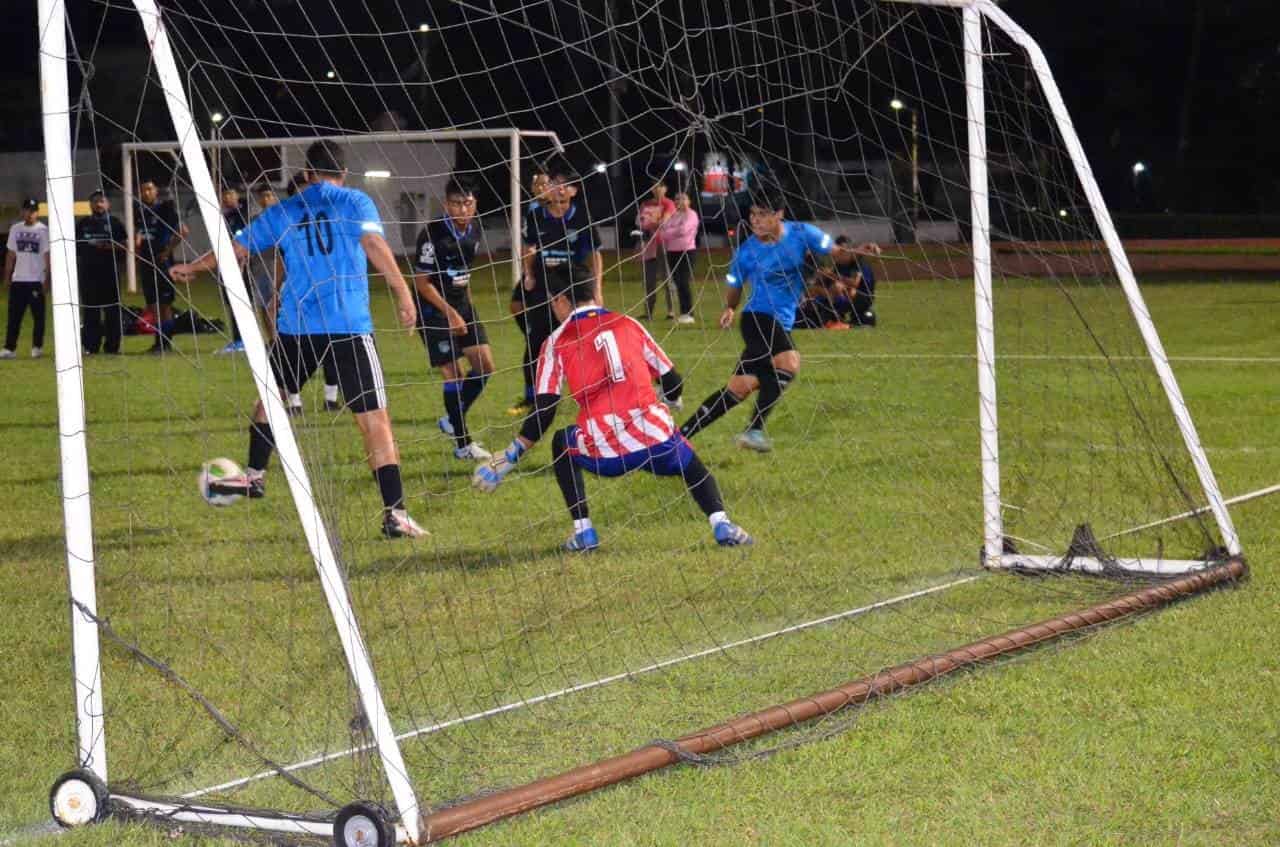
pixel 157 225
pixel 96 230
pixel 563 244
pixel 445 256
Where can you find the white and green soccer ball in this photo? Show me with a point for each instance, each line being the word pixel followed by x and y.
pixel 218 470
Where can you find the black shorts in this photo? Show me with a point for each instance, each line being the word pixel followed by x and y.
pixel 296 357
pixel 157 287
pixel 443 347
pixel 764 338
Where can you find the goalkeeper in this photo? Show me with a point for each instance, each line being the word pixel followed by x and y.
pixel 772 259
pixel 610 363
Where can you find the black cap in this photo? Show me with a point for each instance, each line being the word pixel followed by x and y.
pixel 94 195
pixel 30 203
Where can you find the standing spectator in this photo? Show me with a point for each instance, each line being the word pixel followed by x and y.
pixel 679 236
pixel 651 215
pixel 233 214
pixel 158 230
pixel 26 267
pixel 100 239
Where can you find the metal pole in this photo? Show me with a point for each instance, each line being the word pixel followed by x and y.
pixel 517 248
pixel 331 577
pixel 130 231
pixel 984 309
pixel 77 516
pixel 1137 304
pixel 915 168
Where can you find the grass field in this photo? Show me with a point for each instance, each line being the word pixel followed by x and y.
pixel 1163 731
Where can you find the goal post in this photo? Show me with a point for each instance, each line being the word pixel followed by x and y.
pixel 370 692
pixel 519 143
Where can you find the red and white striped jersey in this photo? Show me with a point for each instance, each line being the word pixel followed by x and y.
pixel 610 362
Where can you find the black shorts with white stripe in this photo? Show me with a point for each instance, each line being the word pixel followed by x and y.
pixel 296 358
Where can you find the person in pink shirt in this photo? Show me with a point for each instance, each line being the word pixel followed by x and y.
pixel 679 236
pixel 652 212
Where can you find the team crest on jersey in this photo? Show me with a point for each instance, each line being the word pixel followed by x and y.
pixel 443 346
pixel 428 254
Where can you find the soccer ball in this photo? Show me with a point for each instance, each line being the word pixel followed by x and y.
pixel 215 471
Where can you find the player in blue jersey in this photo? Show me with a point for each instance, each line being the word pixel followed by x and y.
pixel 772 261
pixel 328 235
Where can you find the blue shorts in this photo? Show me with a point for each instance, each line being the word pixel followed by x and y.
pixel 670 458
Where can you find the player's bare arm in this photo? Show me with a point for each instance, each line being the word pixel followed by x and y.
pixel 732 297
pixel 186 271
pixel 384 262
pixel 436 300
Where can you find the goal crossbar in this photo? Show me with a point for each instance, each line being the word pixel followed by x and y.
pixel 515 136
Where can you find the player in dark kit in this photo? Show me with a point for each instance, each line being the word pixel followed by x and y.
pixel 100 241
pixel 446 318
pixel 157 231
pixel 558 238
pixel 772 260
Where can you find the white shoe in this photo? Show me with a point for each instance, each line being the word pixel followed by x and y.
pixel 36 352
pixel 397 524
pixel 686 320
pixel 473 452
pixel 7 354
pixel 446 426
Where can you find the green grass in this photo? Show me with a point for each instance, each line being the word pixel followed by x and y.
pixel 1163 731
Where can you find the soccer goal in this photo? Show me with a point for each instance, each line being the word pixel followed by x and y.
pixel 1002 459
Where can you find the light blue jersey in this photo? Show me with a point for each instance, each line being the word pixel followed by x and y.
pixel 326 286
pixel 776 270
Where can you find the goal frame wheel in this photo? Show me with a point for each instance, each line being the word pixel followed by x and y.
pixel 363 824
pixel 78 798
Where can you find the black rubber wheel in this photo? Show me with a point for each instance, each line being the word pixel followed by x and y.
pixel 363 825
pixel 79 798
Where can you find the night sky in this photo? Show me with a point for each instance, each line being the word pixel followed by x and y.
pixel 1189 87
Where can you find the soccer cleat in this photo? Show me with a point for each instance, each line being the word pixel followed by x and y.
pixel 729 534
pixel 472 452
pixel 333 406
pixel 686 320
pixel 237 485
pixel 396 523
pixel 754 439
pixel 446 426
pixel 231 349
pixel 294 411
pixel 521 408
pixel 257 485
pixel 7 354
pixel 583 541
pixel 36 352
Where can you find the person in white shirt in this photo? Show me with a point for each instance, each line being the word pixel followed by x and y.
pixel 26 267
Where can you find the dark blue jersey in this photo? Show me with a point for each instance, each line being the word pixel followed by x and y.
pixel 156 225
pixel 445 255
pixel 564 244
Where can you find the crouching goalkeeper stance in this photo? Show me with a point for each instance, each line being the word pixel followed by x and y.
pixel 610 363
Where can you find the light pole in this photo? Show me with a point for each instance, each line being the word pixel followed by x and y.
pixel 897 105
pixel 215 133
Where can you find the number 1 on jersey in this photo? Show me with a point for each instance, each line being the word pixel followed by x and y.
pixel 607 343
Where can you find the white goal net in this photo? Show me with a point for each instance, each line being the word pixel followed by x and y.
pixel 986 397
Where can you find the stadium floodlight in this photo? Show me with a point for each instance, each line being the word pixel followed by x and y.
pixel 1139 168
pixel 601 167
pixel 281 668
pixel 217 117
pixel 424 27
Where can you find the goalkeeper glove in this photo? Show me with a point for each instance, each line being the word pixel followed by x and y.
pixel 489 476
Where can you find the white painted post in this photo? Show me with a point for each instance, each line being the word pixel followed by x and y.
pixel 331 580
pixel 126 185
pixel 1137 305
pixel 517 219
pixel 984 309
pixel 76 512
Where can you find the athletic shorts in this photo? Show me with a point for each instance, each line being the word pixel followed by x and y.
pixel 764 338
pixel 670 458
pixel 157 287
pixel 296 357
pixel 443 347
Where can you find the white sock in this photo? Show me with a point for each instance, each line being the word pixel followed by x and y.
pixel 295 401
pixel 717 518
pixel 330 393
pixel 581 525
